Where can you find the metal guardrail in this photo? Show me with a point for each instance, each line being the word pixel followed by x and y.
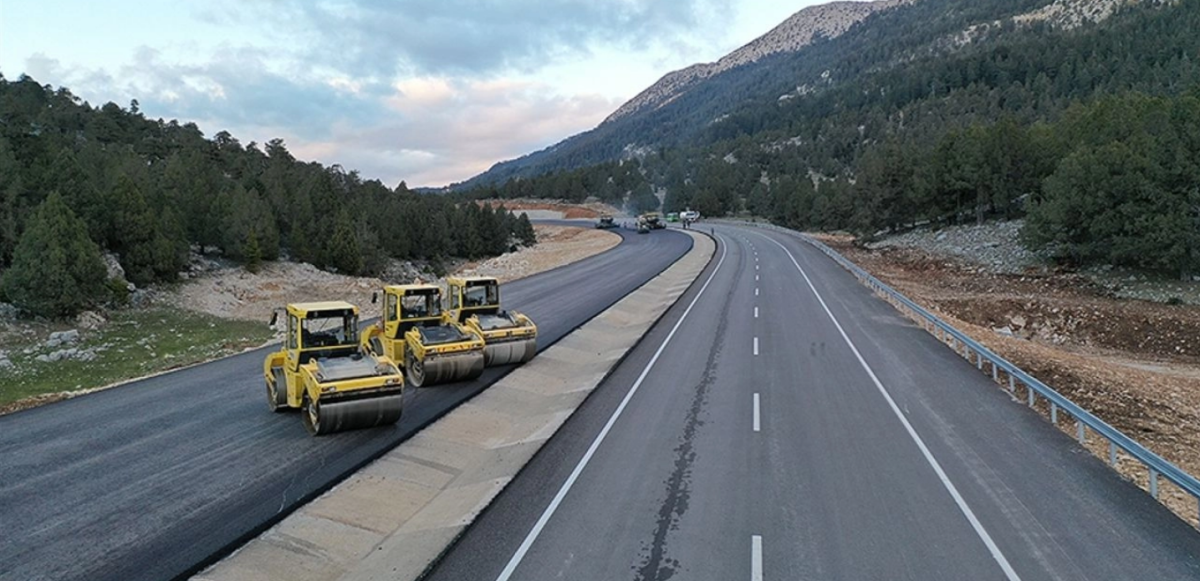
pixel 966 347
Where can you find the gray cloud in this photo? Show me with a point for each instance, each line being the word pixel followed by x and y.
pixel 235 88
pixel 444 131
pixel 323 76
pixel 428 131
pixel 472 37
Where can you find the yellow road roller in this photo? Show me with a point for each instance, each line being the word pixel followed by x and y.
pixel 322 370
pixel 475 302
pixel 652 220
pixel 432 349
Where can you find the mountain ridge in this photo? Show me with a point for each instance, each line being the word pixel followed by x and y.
pixel 813 52
pixel 797 31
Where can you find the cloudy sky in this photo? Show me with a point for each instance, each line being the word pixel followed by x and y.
pixel 427 91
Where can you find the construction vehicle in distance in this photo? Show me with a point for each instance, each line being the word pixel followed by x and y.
pixel 323 371
pixel 414 332
pixel 672 216
pixel 652 220
pixel 509 336
pixel 605 222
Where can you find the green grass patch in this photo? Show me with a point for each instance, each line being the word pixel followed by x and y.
pixel 131 344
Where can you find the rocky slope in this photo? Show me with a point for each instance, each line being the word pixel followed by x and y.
pixel 1069 14
pixel 798 31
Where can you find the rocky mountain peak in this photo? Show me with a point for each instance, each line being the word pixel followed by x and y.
pixel 800 30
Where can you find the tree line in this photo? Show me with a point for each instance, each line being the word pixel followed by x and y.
pixel 78 180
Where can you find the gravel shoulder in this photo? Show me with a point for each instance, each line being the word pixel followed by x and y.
pixel 1135 363
pixel 237 294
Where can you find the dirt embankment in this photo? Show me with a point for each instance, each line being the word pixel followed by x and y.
pixel 1133 363
pixel 555 210
pixel 238 294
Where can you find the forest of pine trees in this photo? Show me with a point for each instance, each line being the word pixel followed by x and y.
pixel 78 180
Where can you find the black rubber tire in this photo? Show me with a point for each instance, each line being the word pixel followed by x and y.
pixel 312 418
pixel 277 398
pixel 415 370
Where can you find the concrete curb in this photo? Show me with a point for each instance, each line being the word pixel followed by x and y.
pixel 395 517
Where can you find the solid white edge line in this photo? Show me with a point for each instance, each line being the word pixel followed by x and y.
pixel 756 573
pixel 1009 572
pixel 756 413
pixel 587 456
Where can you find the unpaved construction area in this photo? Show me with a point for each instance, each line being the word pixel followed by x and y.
pixel 238 294
pixel 1133 363
pixel 555 210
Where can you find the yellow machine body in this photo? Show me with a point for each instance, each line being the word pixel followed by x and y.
pixel 413 331
pixel 652 221
pixel 474 301
pixel 323 371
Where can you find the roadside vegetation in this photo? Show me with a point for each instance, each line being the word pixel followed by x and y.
pixel 133 343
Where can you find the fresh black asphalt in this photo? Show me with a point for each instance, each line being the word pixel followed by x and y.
pixel 154 479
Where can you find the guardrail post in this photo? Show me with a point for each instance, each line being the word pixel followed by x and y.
pixel 1082 431
pixel 995 374
pixel 1154 483
pixel 979 361
pixel 1054 413
pixel 1012 384
pixel 1032 396
pixel 1112 453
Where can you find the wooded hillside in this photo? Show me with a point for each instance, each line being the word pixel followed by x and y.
pixel 76 180
pixel 943 111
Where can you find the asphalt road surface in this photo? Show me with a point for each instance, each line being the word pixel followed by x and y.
pixel 152 480
pixel 769 429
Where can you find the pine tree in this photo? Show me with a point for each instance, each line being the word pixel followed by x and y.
pixel 136 237
pixel 56 270
pixel 251 253
pixel 525 232
pixel 342 251
pixel 10 199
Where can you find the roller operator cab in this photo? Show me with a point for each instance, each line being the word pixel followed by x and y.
pixel 510 337
pixel 323 371
pixel 413 331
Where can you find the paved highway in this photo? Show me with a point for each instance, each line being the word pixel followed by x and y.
pixel 781 423
pixel 150 480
